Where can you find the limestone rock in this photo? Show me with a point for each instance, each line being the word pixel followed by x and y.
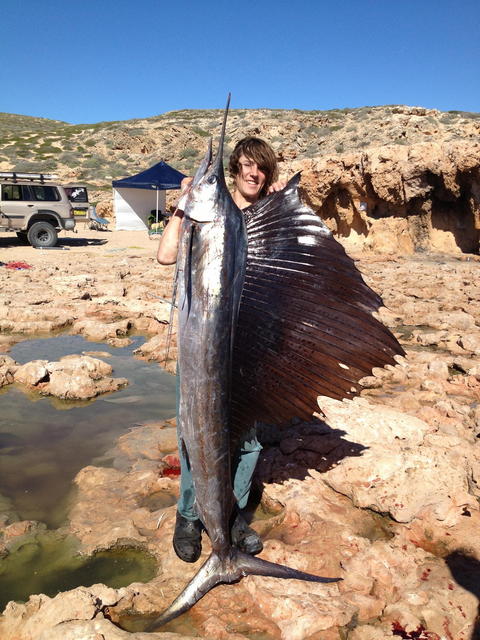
pixel 98 331
pixel 72 385
pixel 438 369
pixel 390 197
pixel 157 348
pixel 75 615
pixel 110 507
pixel 402 480
pixel 72 377
pixel 8 368
pixel 42 613
pixel 19 529
pixel 471 342
pixel 32 373
pixel 151 441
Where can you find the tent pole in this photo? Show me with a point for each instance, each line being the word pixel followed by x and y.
pixel 156 215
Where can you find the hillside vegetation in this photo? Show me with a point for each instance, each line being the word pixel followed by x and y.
pixel 97 153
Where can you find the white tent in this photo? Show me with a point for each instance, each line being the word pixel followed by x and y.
pixel 138 197
pixel 133 207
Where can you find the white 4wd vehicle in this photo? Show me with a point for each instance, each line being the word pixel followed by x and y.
pixel 35 208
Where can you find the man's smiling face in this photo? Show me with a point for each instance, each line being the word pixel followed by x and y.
pixel 250 179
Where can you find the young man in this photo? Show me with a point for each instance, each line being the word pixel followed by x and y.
pixel 253 168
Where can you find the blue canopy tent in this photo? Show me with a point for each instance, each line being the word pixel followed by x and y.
pixel 135 197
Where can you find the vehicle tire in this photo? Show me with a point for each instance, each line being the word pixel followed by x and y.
pixel 42 234
pixel 22 236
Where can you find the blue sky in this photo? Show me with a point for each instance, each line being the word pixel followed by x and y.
pixel 100 60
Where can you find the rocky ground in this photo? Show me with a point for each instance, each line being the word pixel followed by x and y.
pixel 382 491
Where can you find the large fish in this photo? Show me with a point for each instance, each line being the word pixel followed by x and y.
pixel 286 319
pixel 211 269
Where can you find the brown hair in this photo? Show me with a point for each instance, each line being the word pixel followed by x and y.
pixel 260 152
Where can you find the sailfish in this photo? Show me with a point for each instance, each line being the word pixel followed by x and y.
pixel 272 314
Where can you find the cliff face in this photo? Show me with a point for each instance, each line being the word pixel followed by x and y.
pixel 392 178
pixel 425 197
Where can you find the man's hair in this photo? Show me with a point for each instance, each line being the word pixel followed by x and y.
pixel 260 152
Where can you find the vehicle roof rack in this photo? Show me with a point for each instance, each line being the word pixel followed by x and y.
pixel 15 175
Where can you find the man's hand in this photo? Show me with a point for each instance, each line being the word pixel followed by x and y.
pixel 185 186
pixel 185 183
pixel 168 245
pixel 277 186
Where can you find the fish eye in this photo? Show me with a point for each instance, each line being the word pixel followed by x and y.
pixel 212 179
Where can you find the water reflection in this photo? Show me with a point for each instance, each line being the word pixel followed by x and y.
pixel 45 442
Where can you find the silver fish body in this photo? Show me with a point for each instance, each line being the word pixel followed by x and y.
pixel 211 274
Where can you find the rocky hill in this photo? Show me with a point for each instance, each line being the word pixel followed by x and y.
pixel 388 178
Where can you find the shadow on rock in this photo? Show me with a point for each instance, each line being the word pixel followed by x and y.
pixel 291 452
pixel 465 570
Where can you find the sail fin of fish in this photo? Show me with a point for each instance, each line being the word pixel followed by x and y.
pixel 306 325
pixel 217 571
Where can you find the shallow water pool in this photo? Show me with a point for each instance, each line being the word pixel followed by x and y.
pixel 44 441
pixel 49 563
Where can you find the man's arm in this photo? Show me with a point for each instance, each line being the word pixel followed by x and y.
pixel 168 245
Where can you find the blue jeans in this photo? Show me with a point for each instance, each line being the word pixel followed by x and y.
pixel 243 465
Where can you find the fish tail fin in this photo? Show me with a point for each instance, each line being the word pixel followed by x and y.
pixel 251 565
pixel 209 575
pixel 217 570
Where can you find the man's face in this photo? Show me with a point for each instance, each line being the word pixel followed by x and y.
pixel 250 179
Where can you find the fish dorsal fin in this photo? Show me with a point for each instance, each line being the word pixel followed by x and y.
pixel 305 325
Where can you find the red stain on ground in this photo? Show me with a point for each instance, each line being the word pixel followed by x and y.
pixel 171 472
pixel 420 633
pixel 17 265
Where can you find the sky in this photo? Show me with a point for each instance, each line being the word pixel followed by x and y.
pixel 102 60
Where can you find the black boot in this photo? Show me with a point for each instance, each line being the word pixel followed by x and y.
pixel 187 539
pixel 244 537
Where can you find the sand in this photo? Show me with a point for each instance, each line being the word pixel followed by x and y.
pixel 81 242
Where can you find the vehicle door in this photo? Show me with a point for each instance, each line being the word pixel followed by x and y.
pixel 47 198
pixel 15 203
pixel 78 197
